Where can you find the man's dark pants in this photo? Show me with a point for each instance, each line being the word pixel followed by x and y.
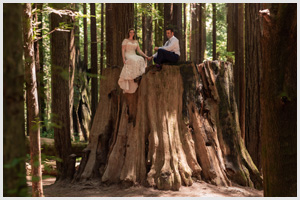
pixel 164 56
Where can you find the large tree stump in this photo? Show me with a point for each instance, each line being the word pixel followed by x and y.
pixel 181 123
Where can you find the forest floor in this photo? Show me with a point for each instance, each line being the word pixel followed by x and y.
pixel 94 189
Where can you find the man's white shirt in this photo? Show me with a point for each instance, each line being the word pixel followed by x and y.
pixel 171 45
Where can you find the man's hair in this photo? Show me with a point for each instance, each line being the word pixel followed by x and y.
pixel 171 29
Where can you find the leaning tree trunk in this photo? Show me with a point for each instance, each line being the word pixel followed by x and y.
pixel 181 123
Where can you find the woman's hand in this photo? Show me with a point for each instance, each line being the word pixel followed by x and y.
pixel 124 61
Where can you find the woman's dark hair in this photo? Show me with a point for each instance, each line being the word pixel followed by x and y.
pixel 131 29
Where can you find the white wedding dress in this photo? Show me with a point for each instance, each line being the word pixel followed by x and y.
pixel 134 66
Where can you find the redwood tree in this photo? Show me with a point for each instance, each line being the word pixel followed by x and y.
pixel 159 29
pixel 239 66
pixel 231 26
pixel 194 29
pixel 202 27
pixel 33 106
pixel 62 68
pixel 184 33
pixel 253 66
pixel 214 32
pixel 94 63
pixel 14 150
pixel 102 39
pixel 85 39
pixel 168 17
pixel 177 25
pixel 278 100
pixel 147 30
pixel 39 64
pixel 116 30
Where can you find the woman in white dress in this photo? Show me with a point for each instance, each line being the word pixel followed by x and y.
pixel 134 65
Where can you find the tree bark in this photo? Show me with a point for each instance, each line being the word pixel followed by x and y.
pixel 119 18
pixel 39 63
pixel 239 68
pixel 168 18
pixel 102 39
pixel 94 63
pixel 194 32
pixel 78 82
pixel 162 139
pixel 85 44
pixel 202 27
pixel 159 32
pixel 214 32
pixel 253 66
pixel 14 152
pixel 33 106
pixel 177 24
pixel 62 57
pixel 147 30
pixel 231 27
pixel 278 100
pixel 184 33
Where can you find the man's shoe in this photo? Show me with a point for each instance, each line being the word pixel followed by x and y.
pixel 158 67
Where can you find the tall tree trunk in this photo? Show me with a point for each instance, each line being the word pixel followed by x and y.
pixel 159 32
pixel 239 69
pixel 177 24
pixel 214 32
pixel 14 150
pixel 253 66
pixel 147 30
pixel 39 65
pixel 168 18
pixel 85 44
pixel 194 33
pixel 278 100
pixel 184 33
pixel 198 34
pixel 239 65
pixel 231 26
pixel 102 39
pixel 94 63
pixel 33 106
pixel 116 30
pixel 63 60
pixel 135 16
pixel 202 28
pixel 79 68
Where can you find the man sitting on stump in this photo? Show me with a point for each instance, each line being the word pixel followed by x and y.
pixel 170 52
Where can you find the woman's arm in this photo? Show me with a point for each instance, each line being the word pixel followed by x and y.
pixel 141 52
pixel 123 53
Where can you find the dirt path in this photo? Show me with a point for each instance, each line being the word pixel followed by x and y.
pixel 93 189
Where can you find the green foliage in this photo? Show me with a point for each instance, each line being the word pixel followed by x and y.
pixel 13 163
pixel 48 134
pixel 221 26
